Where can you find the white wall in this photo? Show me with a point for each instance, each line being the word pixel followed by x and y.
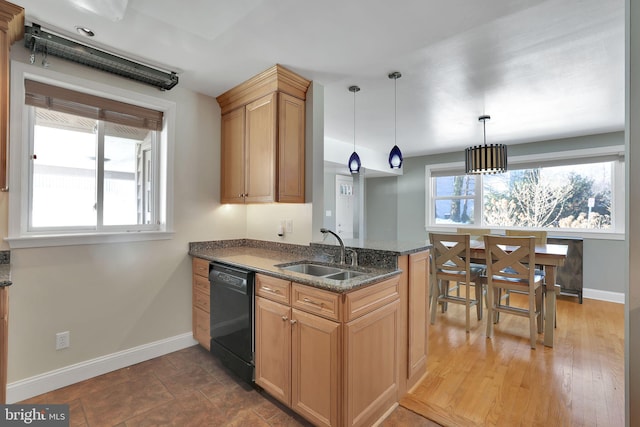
pixel 113 297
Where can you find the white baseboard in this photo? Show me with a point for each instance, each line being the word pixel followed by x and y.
pixel 52 380
pixel 603 295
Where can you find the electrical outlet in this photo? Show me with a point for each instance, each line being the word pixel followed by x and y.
pixel 289 225
pixel 62 340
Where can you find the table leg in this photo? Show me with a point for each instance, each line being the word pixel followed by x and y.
pixel 550 305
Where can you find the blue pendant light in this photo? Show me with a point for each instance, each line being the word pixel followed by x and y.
pixel 395 156
pixel 354 160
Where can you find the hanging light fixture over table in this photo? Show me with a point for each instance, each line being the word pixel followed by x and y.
pixel 485 158
pixel 395 156
pixel 354 160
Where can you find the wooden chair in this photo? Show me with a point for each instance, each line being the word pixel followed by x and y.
pixel 541 239
pixel 509 261
pixel 450 262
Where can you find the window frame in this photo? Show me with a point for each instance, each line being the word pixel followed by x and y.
pixel 578 156
pixel 19 235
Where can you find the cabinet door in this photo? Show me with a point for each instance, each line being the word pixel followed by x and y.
pixel 232 155
pixel 315 368
pixel 273 348
pixel 201 327
pixel 418 323
pixel 291 149
pixel 260 155
pixel 371 374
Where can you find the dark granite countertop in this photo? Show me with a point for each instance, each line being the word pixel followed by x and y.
pixel 268 258
pixel 5 269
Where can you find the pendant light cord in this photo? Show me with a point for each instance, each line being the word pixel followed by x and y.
pixel 484 131
pixel 395 109
pixel 354 121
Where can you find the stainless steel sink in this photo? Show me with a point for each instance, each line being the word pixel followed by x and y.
pixel 312 269
pixel 319 270
pixel 344 275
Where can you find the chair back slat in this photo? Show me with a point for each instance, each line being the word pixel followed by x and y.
pixel 508 258
pixel 451 253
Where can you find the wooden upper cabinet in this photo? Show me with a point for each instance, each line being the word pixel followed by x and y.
pixel 11 30
pixel 232 156
pixel 260 150
pixel 263 139
pixel 291 149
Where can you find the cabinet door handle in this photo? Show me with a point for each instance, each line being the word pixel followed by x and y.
pixel 310 301
pixel 293 322
pixel 273 291
pixel 285 318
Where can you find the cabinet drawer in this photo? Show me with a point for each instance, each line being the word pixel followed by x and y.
pixel 201 300
pixel 366 300
pixel 273 288
pixel 201 284
pixel 316 301
pixel 200 267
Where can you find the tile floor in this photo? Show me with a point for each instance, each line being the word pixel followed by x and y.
pixel 185 388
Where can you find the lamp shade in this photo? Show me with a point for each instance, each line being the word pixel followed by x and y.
pixel 490 158
pixel 395 158
pixel 354 163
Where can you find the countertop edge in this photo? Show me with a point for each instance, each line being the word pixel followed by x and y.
pixel 350 285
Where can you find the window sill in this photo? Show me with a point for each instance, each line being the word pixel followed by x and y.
pixel 43 240
pixel 551 233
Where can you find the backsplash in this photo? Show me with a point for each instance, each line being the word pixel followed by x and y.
pixel 331 253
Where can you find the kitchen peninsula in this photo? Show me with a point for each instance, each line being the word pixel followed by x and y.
pixel 338 352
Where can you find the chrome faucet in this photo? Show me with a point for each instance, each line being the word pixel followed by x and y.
pixel 325 231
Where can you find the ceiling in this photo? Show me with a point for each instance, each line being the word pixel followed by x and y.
pixel 542 69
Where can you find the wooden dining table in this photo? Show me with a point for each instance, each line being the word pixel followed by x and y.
pixel 550 257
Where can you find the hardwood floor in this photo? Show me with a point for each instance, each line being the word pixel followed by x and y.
pixel 472 380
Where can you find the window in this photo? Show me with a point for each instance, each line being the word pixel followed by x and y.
pixel 89 174
pixel 568 195
pixel 92 168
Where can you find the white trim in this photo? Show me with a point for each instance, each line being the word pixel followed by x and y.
pixel 43 241
pixel 598 294
pixel 619 220
pixel 18 235
pixel 52 380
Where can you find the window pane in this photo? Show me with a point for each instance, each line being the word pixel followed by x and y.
pixel 575 196
pixel 126 177
pixel 454 211
pixel 461 185
pixel 64 171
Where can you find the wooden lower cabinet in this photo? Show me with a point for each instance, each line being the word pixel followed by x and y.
pixel 273 348
pixel 336 366
pixel 297 360
pixel 371 356
pixel 315 347
pixel 414 312
pixel 200 302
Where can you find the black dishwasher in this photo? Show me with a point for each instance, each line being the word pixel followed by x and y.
pixel 232 327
